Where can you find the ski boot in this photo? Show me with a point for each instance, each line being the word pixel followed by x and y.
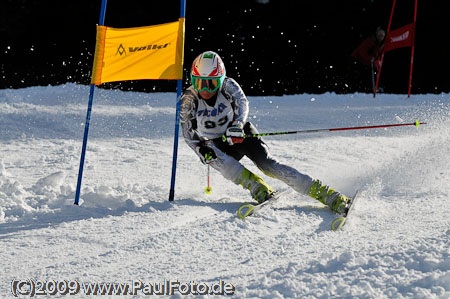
pixel 259 189
pixel 337 202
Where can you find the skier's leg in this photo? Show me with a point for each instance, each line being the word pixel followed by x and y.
pixel 328 196
pixel 304 184
pixel 290 176
pixel 234 171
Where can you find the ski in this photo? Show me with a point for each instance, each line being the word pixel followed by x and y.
pixel 339 222
pixel 250 209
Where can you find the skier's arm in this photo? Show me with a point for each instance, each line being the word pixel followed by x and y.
pixel 235 131
pixel 187 118
pixel 239 101
pixel 189 127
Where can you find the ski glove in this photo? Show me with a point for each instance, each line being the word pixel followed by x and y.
pixel 235 133
pixel 206 153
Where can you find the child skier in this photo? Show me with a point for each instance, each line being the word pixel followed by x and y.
pixel 215 106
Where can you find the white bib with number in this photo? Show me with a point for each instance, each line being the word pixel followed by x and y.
pixel 212 122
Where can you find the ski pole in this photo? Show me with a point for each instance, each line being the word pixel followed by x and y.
pixel 205 140
pixel 417 123
pixel 208 189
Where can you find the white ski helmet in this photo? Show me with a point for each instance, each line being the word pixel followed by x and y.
pixel 207 72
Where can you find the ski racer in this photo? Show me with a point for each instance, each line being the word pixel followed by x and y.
pixel 215 106
pixel 370 49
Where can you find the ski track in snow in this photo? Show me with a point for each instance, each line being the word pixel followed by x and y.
pixel 396 244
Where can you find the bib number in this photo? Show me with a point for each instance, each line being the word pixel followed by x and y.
pixel 211 125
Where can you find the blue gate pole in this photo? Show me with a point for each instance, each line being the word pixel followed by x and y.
pixel 177 121
pixel 88 118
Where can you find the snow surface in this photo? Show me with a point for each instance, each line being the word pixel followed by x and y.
pixel 395 246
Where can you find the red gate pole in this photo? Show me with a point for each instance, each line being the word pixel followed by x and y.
pixel 412 50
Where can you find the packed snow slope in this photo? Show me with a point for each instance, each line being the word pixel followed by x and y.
pixel 396 245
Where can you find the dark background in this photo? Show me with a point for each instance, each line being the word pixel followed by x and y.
pixel 270 47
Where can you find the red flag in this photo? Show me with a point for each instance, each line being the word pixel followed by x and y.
pixel 401 37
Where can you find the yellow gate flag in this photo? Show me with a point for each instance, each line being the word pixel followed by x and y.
pixel 150 52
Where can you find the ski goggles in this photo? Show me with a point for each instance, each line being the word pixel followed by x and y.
pixel 208 84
